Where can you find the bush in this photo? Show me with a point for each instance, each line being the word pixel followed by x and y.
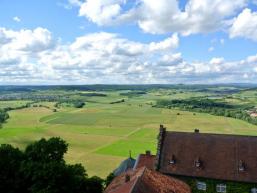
pixel 78 104
pixel 109 179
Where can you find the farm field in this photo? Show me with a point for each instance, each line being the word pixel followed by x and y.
pixel 100 135
pixel 12 104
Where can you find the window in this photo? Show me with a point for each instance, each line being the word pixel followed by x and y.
pixel 201 185
pixel 241 166
pixel 198 163
pixel 173 160
pixel 221 188
pixel 254 190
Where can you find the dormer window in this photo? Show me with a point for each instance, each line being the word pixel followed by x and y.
pixel 172 160
pixel 198 163
pixel 241 166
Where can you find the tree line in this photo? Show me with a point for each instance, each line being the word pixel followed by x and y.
pixel 4 112
pixel 72 102
pixel 3 116
pixel 208 106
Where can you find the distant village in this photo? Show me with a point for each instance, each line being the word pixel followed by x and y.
pixel 191 162
pixel 253 112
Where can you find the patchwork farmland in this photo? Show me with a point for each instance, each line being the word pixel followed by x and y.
pixel 100 135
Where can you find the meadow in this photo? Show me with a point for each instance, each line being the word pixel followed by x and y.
pixel 100 135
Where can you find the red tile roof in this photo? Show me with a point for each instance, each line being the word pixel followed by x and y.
pixel 224 157
pixel 143 180
pixel 253 114
pixel 145 160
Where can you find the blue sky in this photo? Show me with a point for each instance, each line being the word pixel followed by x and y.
pixel 133 41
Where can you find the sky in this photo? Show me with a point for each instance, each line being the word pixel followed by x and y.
pixel 49 42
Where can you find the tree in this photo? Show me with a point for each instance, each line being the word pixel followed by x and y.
pixel 78 104
pixel 41 168
pixel 10 161
pixel 3 116
pixel 109 179
pixel 49 150
pixel 94 185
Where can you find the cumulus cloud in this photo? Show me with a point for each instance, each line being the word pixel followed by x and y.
pixel 19 50
pixel 245 25
pixel 17 19
pixel 166 44
pixel 101 12
pixel 35 40
pixel 108 58
pixel 164 16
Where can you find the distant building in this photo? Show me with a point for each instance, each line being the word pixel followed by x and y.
pixel 209 162
pixel 253 114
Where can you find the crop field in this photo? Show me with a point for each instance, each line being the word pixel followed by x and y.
pixel 100 135
pixel 12 104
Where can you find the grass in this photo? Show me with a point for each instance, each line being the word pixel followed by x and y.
pixel 101 134
pixel 12 104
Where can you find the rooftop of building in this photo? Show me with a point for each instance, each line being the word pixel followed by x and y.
pixel 144 180
pixel 145 160
pixel 216 156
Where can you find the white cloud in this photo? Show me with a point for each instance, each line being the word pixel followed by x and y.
pixel 217 61
pixel 35 40
pixel 164 16
pixel 252 59
pixel 101 12
pixel 245 25
pixel 166 44
pixel 35 57
pixel 17 19
pixel 210 49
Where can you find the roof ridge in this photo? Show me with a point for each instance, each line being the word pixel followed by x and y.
pixel 137 180
pixel 137 160
pixel 216 134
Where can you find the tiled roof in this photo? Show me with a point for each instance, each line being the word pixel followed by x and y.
pixel 143 180
pixel 145 160
pixel 224 157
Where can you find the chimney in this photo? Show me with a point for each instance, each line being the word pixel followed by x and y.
pixel 127 178
pixel 147 152
pixel 197 131
pixel 162 129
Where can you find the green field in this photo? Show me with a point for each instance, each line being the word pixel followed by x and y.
pixel 12 104
pixel 101 134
